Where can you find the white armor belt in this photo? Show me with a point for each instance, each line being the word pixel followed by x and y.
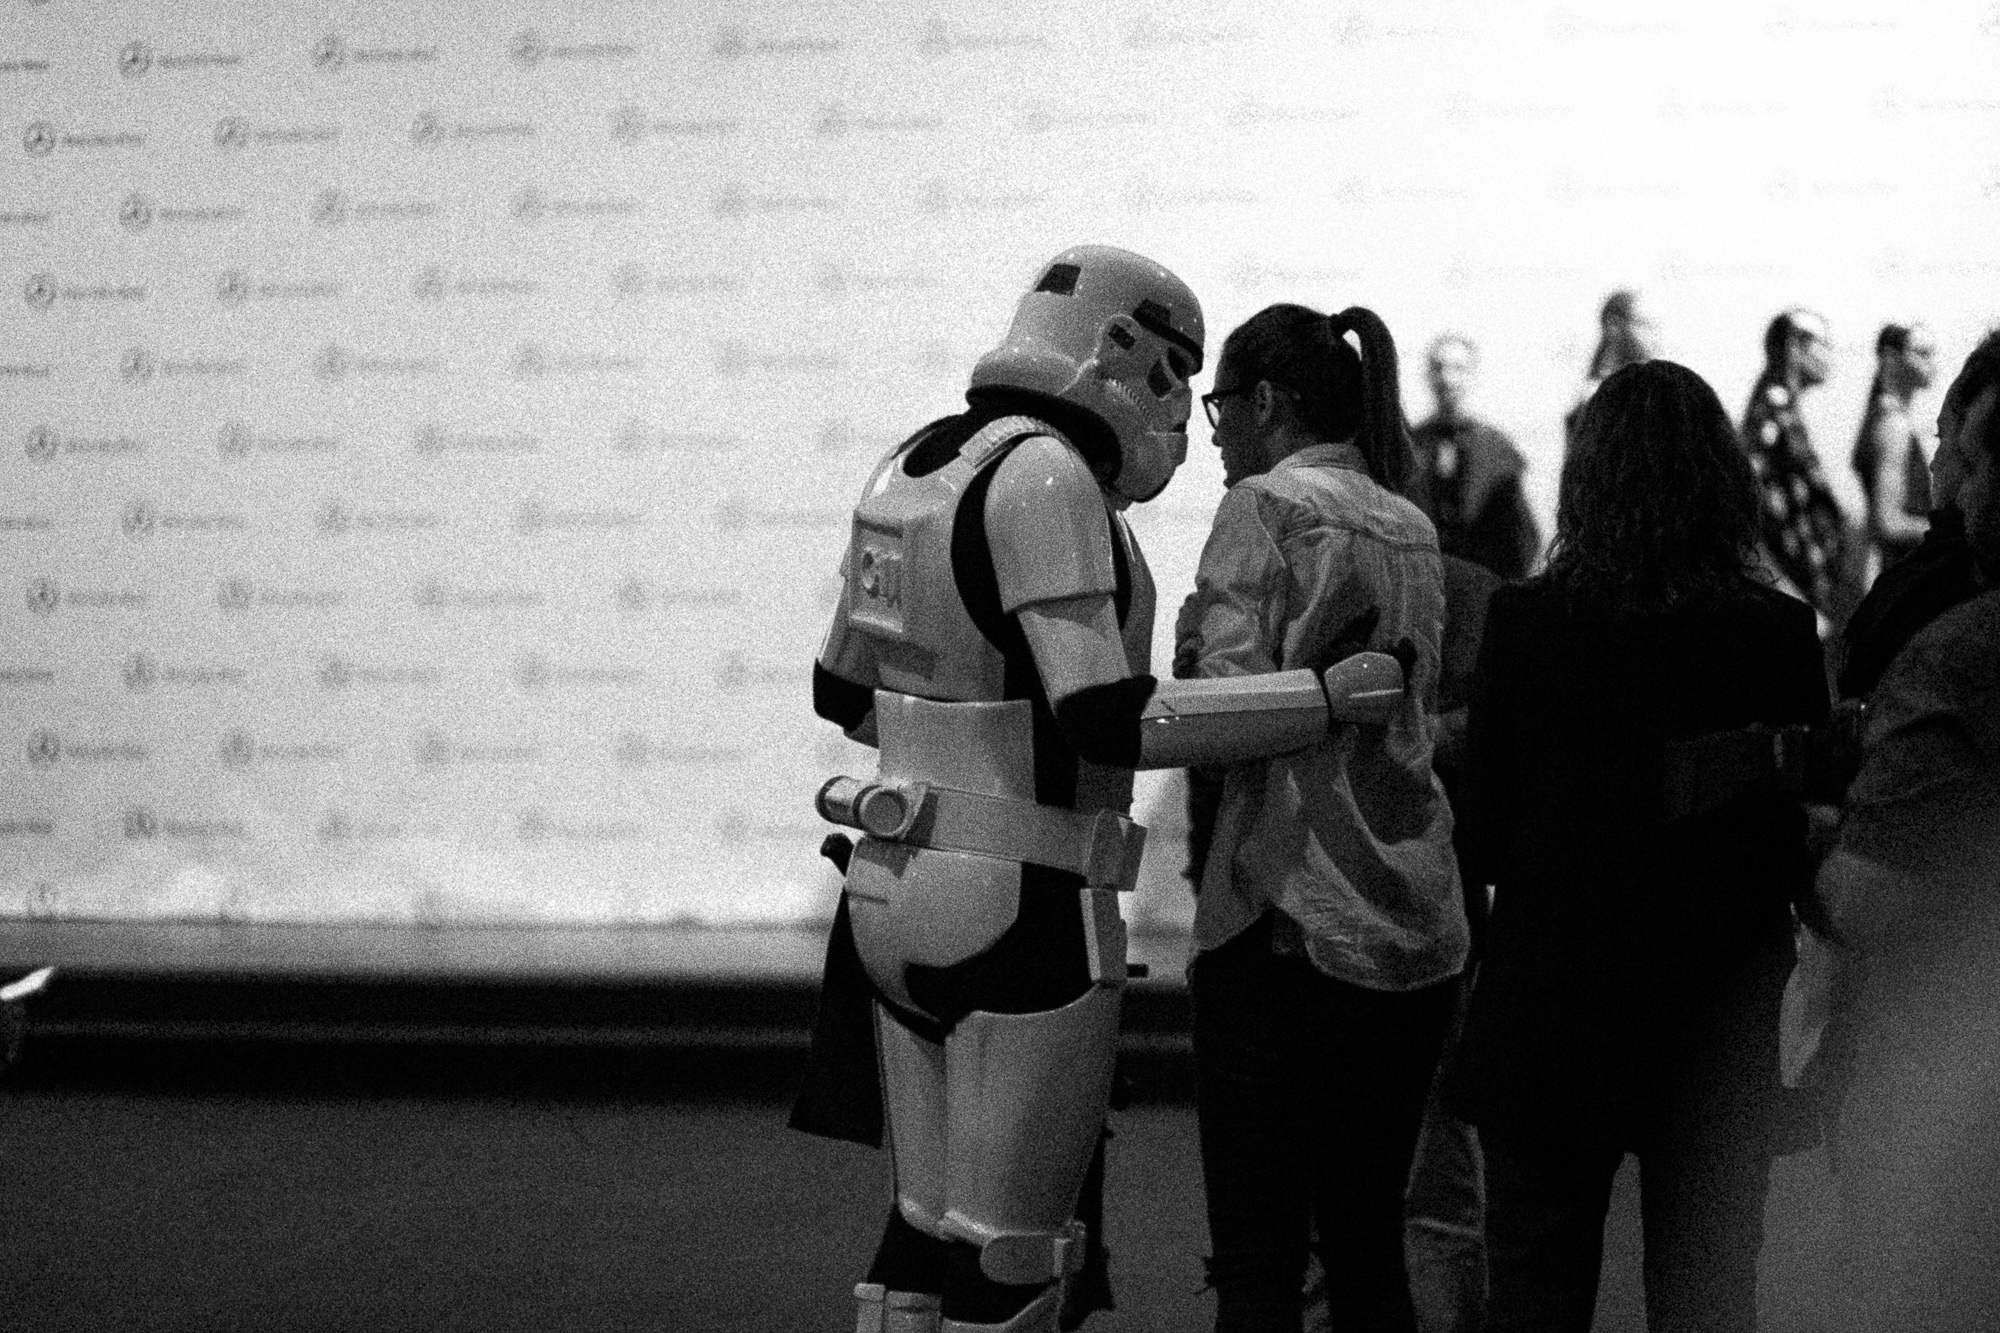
pixel 1101 846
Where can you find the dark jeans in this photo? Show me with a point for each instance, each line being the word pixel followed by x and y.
pixel 1309 1093
pixel 1701 1203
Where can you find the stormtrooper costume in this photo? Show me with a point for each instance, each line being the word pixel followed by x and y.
pixel 992 641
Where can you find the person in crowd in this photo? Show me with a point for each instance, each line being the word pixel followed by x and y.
pixel 1910 897
pixel 1329 928
pixel 1624 338
pixel 1467 478
pixel 1804 534
pixel 1938 574
pixel 1895 482
pixel 1628 995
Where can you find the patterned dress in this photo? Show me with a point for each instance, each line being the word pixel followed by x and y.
pixel 1800 523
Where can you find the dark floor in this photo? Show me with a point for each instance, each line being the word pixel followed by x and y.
pixel 340 1200
pixel 219 1128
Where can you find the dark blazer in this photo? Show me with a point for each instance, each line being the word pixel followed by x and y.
pixel 1633 967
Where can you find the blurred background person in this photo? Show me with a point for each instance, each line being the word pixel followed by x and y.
pixel 1467 478
pixel 1624 338
pixel 1627 1000
pixel 1939 573
pixel 1804 535
pixel 1911 899
pixel 1889 460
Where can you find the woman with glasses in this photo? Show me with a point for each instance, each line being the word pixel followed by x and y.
pixel 1329 924
pixel 1629 984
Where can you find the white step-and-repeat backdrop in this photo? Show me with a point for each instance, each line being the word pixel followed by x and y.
pixel 426 429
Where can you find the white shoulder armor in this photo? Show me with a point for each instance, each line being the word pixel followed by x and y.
pixel 1048 526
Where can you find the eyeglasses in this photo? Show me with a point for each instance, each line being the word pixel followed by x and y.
pixel 1211 403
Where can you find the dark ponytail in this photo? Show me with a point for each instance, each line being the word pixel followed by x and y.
pixel 1384 434
pixel 1342 394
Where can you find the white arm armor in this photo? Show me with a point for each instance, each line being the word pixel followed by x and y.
pixel 1220 720
pixel 1231 718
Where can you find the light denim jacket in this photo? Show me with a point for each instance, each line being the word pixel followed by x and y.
pixel 1351 839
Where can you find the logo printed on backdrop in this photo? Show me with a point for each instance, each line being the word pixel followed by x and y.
pixel 141 672
pixel 334 208
pixel 19 676
pixel 439 595
pixel 43 289
pixel 42 444
pixel 837 281
pixel 941 196
pixel 835 121
pixel 1053 117
pixel 30 826
pixel 532 518
pixel 735 200
pixel 138 58
pixel 434 749
pixel 539 826
pixel 137 365
pixel 15 217
pixel 240 749
pixel 46 749
pixel 233 133
pixel 1152 33
pixel 334 362
pixel 136 212
pixel 333 53
pixel 23 65
pixel 734 358
pixel 631 124
pixel 734 42
pixel 633 278
pixel 534 673
pixel 1784 21
pixel 236 440
pixel 639 437
pixel 635 749
pixel 1253 110
pixel 1146 195
pixel 26 523
pixel 337 518
pixel 140 823
pixel 432 283
pixel 430 128
pixel 940 39
pixel 1567 24
pixel 341 826
pixel 433 440
pixel 529 49
pixel 635 595
pixel 46 597
pixel 533 361
pixel 532 207
pixel 240 596
pixel 340 673
pixel 41 138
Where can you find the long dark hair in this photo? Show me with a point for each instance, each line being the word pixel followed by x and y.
pixel 1342 394
pixel 1658 507
pixel 1867 460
